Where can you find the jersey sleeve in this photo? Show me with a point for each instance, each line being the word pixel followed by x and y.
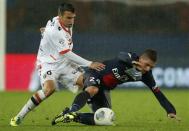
pixel 148 80
pixel 125 57
pixel 164 102
pixel 77 59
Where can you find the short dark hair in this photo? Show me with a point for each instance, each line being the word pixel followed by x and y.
pixel 65 7
pixel 150 53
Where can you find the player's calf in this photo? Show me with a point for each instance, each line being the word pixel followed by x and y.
pixel 34 101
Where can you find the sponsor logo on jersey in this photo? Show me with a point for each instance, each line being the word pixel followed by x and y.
pixel 74 71
pixel 122 78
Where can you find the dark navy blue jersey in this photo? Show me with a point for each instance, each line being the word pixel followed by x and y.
pixel 117 71
pixel 120 70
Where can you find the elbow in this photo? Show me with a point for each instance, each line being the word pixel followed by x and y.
pixel 156 89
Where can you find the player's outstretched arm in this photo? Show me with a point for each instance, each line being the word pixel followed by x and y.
pixel 148 79
pixel 166 104
pixel 81 61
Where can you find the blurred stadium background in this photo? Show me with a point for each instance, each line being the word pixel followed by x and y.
pixel 102 29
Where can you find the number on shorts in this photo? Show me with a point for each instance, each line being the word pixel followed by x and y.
pixel 49 73
pixel 92 79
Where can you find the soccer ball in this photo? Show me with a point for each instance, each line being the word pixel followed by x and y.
pixel 104 116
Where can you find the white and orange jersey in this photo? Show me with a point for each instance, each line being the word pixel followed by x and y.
pixel 56 40
pixel 55 59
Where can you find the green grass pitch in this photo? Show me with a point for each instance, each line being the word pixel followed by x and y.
pixel 136 110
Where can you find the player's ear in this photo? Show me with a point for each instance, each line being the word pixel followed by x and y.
pixel 42 29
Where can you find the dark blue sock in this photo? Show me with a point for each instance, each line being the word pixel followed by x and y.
pixel 86 118
pixel 79 101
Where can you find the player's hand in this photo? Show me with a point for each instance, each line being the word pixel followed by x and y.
pixel 137 64
pixel 173 116
pixel 97 66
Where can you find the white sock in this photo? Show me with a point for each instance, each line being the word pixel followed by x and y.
pixel 34 101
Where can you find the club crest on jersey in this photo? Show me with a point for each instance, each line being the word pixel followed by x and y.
pixel 61 41
pixel 59 28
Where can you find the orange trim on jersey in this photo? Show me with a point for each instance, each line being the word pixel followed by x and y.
pixel 62 25
pixel 64 51
pixel 53 57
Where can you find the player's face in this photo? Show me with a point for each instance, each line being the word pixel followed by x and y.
pixel 146 64
pixel 68 19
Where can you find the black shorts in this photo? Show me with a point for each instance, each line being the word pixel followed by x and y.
pixel 92 78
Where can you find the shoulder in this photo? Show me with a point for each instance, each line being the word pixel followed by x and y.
pixel 148 79
pixel 148 76
pixel 53 26
pixel 125 56
pixel 149 73
pixel 54 32
pixel 133 56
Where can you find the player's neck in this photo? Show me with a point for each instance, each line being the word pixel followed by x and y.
pixel 63 26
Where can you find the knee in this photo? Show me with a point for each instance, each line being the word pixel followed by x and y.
pixel 48 92
pixel 92 90
pixel 49 88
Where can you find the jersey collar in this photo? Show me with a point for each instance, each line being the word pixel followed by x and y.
pixel 63 27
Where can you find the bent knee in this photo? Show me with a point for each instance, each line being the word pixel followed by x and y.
pixel 92 90
pixel 49 88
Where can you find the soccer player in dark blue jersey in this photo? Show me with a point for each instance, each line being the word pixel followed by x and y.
pixel 127 67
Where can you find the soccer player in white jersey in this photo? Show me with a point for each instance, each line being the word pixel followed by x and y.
pixel 55 60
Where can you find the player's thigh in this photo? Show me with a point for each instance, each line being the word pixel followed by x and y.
pixel 68 77
pixel 48 80
pixel 92 83
pixel 49 87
